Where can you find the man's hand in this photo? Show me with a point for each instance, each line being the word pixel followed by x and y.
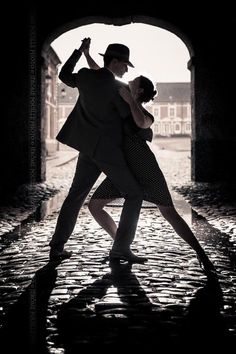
pixel 84 48
pixel 126 95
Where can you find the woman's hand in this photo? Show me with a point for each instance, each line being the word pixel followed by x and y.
pixel 86 45
pixel 84 48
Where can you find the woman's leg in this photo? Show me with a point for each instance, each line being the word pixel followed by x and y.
pixel 101 216
pixel 184 231
pixel 96 207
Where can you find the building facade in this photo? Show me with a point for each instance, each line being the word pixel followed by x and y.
pixel 50 116
pixel 171 109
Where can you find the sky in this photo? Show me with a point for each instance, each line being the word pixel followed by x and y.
pixel 156 53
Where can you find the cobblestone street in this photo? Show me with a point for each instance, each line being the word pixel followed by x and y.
pixel 85 302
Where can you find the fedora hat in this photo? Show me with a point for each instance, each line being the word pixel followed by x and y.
pixel 119 51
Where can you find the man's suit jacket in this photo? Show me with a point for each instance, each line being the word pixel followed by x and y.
pixel 95 125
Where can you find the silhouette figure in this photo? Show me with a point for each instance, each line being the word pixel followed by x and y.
pixel 95 128
pixel 145 168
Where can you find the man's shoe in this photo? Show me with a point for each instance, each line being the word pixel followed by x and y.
pixel 127 256
pixel 59 256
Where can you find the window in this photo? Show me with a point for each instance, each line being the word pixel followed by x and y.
pixel 166 128
pixel 172 112
pixel 177 128
pixel 156 112
pixel 188 127
pixel 156 129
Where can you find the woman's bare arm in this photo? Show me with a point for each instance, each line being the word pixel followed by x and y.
pixel 141 119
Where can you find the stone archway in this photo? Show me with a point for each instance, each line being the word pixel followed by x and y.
pixel 125 21
pixel 208 38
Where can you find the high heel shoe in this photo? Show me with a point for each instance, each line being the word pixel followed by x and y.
pixel 207 266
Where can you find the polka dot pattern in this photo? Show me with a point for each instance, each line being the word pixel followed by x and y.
pixel 145 168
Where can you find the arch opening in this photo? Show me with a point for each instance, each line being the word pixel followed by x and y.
pixel 169 126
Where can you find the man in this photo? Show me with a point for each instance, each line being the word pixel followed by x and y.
pixel 94 128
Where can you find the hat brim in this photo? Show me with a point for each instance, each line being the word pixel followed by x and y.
pixel 127 62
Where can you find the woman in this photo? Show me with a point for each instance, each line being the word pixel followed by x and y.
pixel 143 164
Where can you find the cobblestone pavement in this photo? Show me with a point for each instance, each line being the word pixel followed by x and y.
pixel 84 302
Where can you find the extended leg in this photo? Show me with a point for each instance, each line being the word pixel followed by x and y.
pixel 184 231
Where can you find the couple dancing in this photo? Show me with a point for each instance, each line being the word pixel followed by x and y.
pixel 109 127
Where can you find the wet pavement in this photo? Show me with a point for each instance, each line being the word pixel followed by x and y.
pixel 83 302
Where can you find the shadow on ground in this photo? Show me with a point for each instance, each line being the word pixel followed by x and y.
pixel 135 321
pixel 24 329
